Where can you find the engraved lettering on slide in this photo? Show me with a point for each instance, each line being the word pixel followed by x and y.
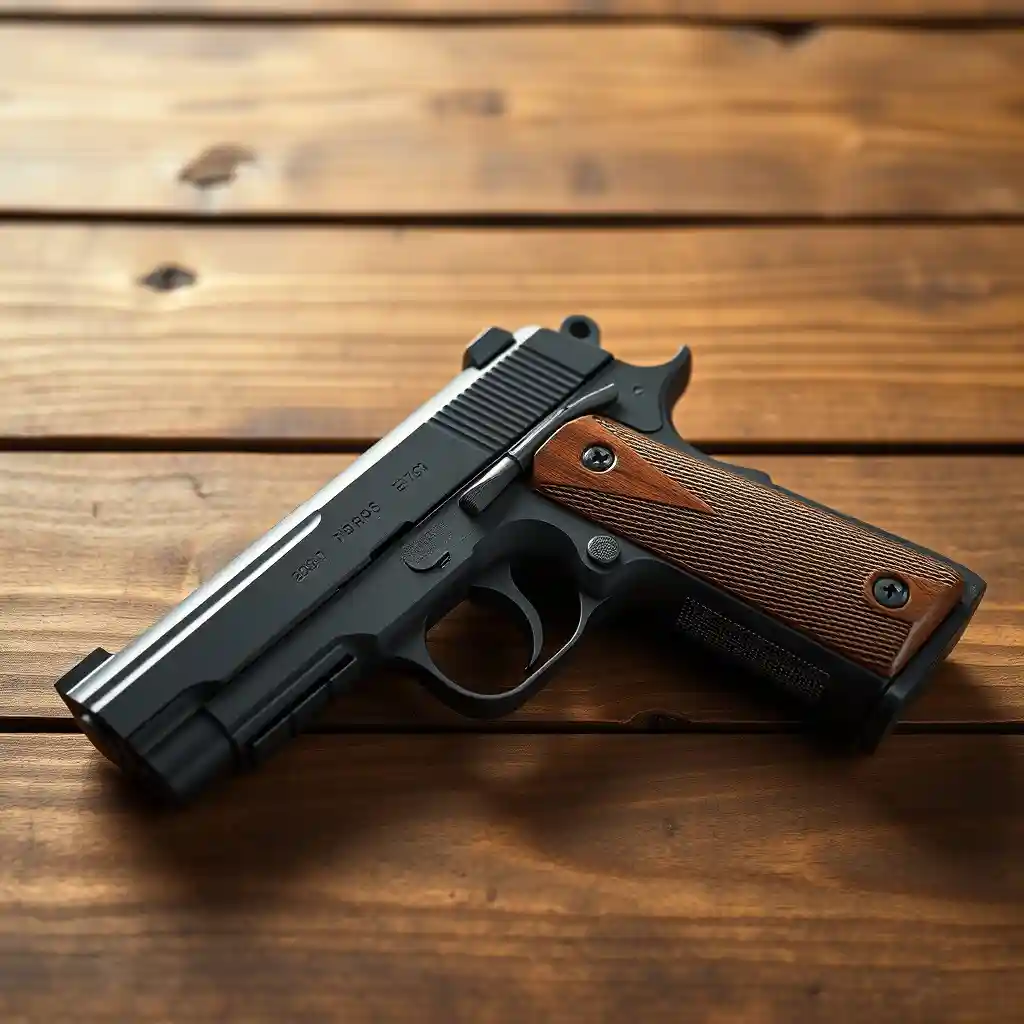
pixel 361 518
pixel 409 477
pixel 311 564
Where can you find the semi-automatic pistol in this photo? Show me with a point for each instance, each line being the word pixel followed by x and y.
pixel 544 447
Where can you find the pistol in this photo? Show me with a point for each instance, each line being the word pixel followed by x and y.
pixel 543 447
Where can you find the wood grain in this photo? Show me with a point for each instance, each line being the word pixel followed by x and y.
pixel 660 118
pixel 801 567
pixel 95 547
pixel 557 464
pixel 474 878
pixel 484 9
pixel 798 334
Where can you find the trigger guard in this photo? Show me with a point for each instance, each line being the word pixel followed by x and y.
pixel 415 654
pixel 498 583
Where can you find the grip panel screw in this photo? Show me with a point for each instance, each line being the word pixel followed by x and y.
pixel 598 458
pixel 891 592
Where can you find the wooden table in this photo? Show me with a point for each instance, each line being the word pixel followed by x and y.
pixel 236 249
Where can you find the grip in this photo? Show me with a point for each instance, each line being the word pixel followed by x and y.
pixel 870 598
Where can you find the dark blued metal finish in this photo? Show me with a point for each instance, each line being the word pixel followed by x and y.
pixel 483 491
pixel 486 346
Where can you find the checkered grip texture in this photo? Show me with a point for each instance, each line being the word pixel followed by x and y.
pixel 798 563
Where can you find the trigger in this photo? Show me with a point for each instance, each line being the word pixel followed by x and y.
pixel 497 583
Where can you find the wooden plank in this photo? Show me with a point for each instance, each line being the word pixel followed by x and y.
pixel 605 118
pixel 798 334
pixel 483 9
pixel 97 547
pixel 468 878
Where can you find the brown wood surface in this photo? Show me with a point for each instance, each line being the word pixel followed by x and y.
pixel 452 874
pixel 798 334
pixel 95 547
pixel 416 120
pixel 484 9
pixel 469 878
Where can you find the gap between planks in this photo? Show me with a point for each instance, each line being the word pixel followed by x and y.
pixel 357 446
pixel 485 221
pixel 41 725
pixel 791 27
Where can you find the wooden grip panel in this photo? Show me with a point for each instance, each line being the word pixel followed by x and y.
pixel 798 563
